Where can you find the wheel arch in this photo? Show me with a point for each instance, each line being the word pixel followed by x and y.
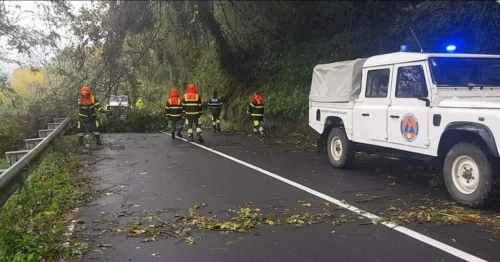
pixel 467 131
pixel 330 123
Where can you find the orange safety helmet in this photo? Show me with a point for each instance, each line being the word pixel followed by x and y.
pixel 85 90
pixel 192 88
pixel 174 92
pixel 257 96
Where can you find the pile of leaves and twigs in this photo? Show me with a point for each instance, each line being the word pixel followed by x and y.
pixel 243 220
pixel 444 213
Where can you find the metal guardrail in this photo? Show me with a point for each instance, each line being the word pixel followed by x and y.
pixel 12 178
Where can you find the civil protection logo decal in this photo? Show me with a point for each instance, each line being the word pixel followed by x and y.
pixel 409 127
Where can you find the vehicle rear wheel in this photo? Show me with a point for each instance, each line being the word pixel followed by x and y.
pixel 469 174
pixel 339 148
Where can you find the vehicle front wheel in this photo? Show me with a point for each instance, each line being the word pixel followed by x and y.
pixel 469 174
pixel 339 148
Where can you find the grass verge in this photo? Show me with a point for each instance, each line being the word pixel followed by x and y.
pixel 34 220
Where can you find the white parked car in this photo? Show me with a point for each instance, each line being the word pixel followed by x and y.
pixel 117 102
pixel 443 107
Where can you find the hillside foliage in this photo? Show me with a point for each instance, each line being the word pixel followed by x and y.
pixel 144 48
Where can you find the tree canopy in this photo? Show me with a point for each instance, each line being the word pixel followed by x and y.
pixel 144 48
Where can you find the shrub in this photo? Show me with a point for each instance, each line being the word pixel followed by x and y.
pixel 140 121
pixel 14 130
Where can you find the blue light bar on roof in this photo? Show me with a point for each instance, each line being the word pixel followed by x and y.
pixel 451 48
pixel 404 48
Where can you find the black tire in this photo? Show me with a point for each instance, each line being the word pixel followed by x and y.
pixel 486 174
pixel 347 153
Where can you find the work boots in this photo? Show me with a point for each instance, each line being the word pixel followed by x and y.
pixel 218 127
pixel 190 138
pixel 214 128
pixel 178 134
pixel 98 140
pixel 200 138
pixel 80 141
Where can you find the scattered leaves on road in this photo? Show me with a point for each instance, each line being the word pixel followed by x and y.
pixel 442 213
pixel 245 219
pixel 185 226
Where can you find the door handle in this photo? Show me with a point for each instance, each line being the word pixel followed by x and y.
pixel 365 114
pixel 394 116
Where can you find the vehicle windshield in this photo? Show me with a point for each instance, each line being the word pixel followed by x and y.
pixel 465 72
pixel 114 98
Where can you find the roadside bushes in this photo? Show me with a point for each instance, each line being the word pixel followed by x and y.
pixel 14 129
pixel 11 135
pixel 139 121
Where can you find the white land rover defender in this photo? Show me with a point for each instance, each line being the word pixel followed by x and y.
pixel 443 107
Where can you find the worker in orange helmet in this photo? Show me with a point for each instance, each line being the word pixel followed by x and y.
pixel 87 117
pixel 173 110
pixel 191 106
pixel 256 111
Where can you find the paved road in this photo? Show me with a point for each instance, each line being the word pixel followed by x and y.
pixel 148 173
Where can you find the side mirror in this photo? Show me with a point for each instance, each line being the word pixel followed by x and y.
pixel 417 93
pixel 427 101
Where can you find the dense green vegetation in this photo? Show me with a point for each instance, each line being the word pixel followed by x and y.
pixel 33 220
pixel 239 47
pixel 143 49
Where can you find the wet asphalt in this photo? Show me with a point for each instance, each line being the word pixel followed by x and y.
pixel 151 173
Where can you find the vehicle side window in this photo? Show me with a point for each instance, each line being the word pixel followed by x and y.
pixel 411 82
pixel 490 75
pixel 377 83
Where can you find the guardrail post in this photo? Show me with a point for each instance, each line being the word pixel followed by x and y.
pixel 32 142
pixel 44 132
pixel 58 120
pixel 53 125
pixel 14 156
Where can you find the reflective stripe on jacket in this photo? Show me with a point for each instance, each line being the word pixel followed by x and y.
pixel 87 110
pixel 215 105
pixel 191 105
pixel 173 109
pixel 256 107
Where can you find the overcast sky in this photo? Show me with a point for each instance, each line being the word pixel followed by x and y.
pixel 34 21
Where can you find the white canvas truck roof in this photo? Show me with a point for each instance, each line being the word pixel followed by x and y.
pixel 406 57
pixel 336 82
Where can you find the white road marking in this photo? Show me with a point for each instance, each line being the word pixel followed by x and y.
pixel 413 234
